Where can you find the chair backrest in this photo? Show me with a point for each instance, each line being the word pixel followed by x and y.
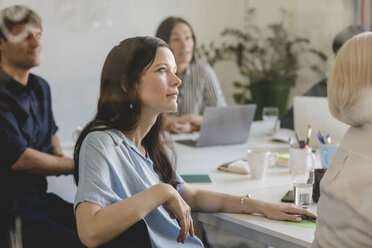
pixel 136 236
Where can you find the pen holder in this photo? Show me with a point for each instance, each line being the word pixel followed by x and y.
pixel 326 153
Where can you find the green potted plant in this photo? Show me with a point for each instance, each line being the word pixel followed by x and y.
pixel 268 58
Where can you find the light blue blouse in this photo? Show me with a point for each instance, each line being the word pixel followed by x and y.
pixel 111 169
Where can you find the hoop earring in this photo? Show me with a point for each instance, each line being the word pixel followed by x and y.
pixel 131 106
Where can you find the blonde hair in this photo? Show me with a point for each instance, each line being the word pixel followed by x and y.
pixel 350 81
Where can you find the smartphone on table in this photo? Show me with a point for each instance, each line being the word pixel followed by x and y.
pixel 288 197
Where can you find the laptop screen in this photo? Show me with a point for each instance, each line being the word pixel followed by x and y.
pixel 221 126
pixel 226 125
pixel 315 111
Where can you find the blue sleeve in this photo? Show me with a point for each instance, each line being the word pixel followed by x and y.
pixel 94 173
pixel 12 143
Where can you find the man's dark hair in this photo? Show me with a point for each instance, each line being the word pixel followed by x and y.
pixel 346 34
pixel 17 15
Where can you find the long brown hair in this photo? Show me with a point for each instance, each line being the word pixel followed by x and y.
pixel 166 26
pixel 119 105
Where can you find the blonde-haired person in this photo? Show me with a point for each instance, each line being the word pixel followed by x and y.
pixel 345 205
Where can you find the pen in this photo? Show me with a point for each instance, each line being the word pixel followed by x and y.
pixel 298 140
pixel 309 129
pixel 328 138
pixel 320 138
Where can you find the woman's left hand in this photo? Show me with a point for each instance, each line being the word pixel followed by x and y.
pixel 175 124
pixel 194 119
pixel 285 211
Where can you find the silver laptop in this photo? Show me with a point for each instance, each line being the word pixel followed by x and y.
pixel 315 111
pixel 224 126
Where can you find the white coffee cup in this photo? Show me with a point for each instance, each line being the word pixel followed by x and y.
pixel 258 161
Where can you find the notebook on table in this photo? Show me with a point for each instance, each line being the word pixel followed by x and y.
pixel 224 126
pixel 315 111
pixel 197 178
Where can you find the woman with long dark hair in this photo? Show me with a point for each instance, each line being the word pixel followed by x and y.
pixel 125 174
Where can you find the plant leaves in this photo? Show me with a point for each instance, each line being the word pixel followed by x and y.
pixel 238 84
pixel 268 53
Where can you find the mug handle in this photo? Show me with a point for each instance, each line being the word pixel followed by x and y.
pixel 273 156
pixel 313 159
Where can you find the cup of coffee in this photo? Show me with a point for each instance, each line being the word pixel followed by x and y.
pixel 258 161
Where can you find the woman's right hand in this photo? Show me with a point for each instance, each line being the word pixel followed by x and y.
pixel 179 210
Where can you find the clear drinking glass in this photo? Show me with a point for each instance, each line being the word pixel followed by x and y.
pixel 270 117
pixel 301 164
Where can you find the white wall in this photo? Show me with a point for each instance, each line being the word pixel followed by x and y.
pixel 77 35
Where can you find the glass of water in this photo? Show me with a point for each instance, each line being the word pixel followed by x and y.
pixel 301 164
pixel 270 118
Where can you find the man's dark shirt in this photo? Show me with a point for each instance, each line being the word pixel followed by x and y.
pixel 26 121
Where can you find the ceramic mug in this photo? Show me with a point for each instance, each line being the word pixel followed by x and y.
pixel 258 161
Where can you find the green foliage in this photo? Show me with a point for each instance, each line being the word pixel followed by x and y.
pixel 261 56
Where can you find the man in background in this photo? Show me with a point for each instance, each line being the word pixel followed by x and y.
pixel 320 88
pixel 29 147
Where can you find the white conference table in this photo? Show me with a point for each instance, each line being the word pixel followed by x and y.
pixel 205 160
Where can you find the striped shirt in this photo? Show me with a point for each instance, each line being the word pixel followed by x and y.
pixel 200 88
